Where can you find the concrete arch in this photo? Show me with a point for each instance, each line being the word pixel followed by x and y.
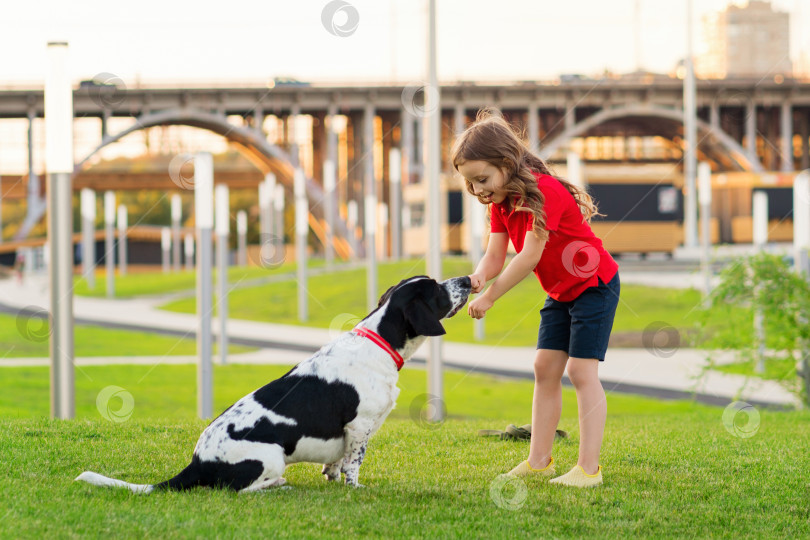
pixel 265 156
pixel 707 135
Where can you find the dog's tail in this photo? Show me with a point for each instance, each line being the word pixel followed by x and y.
pixel 187 478
pixel 99 480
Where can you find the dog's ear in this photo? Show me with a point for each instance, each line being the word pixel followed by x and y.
pixel 422 319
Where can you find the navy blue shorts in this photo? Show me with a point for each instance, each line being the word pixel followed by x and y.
pixel 582 326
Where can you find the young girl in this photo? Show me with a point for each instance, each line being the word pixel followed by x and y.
pixel 546 219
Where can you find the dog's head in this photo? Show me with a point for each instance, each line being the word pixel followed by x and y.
pixel 421 303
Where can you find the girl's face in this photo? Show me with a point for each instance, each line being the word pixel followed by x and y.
pixel 487 180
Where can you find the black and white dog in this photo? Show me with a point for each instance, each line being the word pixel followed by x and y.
pixel 327 407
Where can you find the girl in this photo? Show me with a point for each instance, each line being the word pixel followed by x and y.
pixel 546 219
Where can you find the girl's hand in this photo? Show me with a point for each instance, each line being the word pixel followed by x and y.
pixel 479 307
pixel 478 282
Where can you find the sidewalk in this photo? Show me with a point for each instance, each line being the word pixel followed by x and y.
pixel 624 369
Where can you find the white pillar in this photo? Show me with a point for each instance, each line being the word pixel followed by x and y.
pixel 351 223
pixel 188 247
pixel 109 241
pixel 88 212
pixel 123 220
pixel 204 218
pixel 574 164
pixel 301 232
pixel 760 218
pixel 329 187
pixel 690 139
pixel 395 189
pixel 432 155
pixel 801 221
pixel 165 248
pixel 59 163
pixel 278 214
pixel 177 216
pixel 269 207
pixel 223 227
pixel 241 238
pixel 477 222
pixel 370 208
pixel 705 195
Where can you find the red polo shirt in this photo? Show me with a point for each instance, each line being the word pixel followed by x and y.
pixel 573 258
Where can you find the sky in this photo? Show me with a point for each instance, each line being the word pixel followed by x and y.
pixel 353 41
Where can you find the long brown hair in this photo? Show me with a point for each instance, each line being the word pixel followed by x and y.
pixel 490 138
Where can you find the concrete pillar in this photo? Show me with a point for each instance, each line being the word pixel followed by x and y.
pixel 751 130
pixel 533 127
pixel 330 183
pixel 370 200
pixel 786 150
pixel 714 115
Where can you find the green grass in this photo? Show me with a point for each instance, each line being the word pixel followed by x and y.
pixel 513 320
pixel 23 337
pixel 671 468
pixel 156 283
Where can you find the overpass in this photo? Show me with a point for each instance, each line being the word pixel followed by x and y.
pixel 744 124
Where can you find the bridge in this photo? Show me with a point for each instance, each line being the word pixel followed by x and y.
pixel 744 124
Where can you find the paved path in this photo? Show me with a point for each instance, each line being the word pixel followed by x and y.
pixel 665 374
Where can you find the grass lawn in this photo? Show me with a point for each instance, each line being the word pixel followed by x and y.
pixel 672 469
pixel 26 338
pixel 154 283
pixel 513 320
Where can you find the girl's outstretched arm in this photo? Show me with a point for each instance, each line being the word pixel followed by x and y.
pixel 517 269
pixel 491 263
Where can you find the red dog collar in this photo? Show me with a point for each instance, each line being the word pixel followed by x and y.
pixel 381 343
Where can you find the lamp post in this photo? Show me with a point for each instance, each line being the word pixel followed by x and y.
pixel 123 220
pixel 301 230
pixel 59 162
pixel 188 247
pixel 241 238
pixel 88 211
pixel 109 241
pixel 223 227
pixel 177 215
pixel 165 248
pixel 204 219
pixel 760 215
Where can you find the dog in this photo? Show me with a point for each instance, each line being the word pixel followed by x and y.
pixel 326 408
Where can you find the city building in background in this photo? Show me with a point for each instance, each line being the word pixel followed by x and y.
pixel 751 40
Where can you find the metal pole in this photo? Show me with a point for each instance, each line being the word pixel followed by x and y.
pixel 301 231
pixel 351 223
pixel 690 138
pixel 223 228
pixel 432 155
pixel 370 208
pixel 264 227
pixel 109 241
pixel 705 195
pixel 177 216
pixel 59 162
pixel 122 239
pixel 382 211
pixel 801 222
pixel 760 210
pixel 269 194
pixel 329 185
pixel 477 219
pixel 395 188
pixel 204 218
pixel 188 246
pixel 165 248
pixel 88 211
pixel 241 238
pixel 278 214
